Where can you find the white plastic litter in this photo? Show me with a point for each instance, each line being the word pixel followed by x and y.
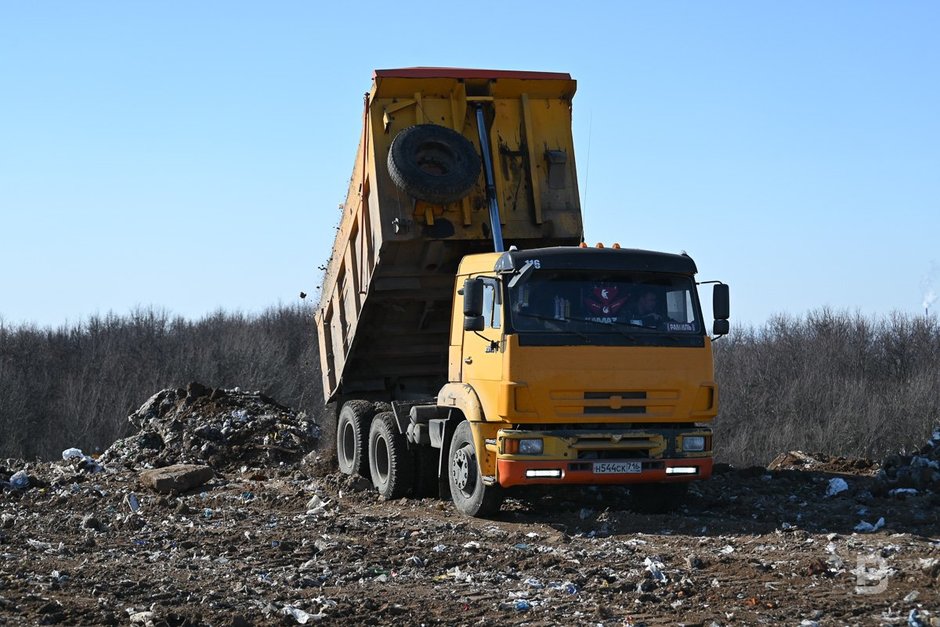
pixel 865 573
pixel 89 463
pixel 72 453
pixel 866 527
pixel 299 615
pixel 836 486
pixel 141 618
pixel 656 569
pixel 902 492
pixel 316 505
pixel 459 575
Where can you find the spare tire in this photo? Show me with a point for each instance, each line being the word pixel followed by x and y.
pixel 433 163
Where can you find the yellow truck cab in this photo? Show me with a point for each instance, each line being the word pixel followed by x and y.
pixel 465 372
pixel 565 378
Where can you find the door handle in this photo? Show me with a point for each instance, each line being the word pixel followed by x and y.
pixel 468 360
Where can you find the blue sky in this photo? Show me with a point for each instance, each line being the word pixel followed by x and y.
pixel 192 155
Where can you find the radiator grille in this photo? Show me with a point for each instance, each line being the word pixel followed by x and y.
pixel 652 403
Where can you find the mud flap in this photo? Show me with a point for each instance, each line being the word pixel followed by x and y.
pixel 441 431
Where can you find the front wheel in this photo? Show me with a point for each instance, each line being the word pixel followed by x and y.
pixel 467 489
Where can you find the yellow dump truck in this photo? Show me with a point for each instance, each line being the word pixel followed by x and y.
pixel 460 366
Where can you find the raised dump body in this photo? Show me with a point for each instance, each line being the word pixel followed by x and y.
pixel 385 307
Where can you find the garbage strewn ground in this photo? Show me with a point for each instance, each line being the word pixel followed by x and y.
pixel 269 535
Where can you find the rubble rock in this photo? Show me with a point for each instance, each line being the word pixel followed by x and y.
pixel 179 478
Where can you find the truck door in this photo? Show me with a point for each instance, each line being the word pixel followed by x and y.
pixel 483 351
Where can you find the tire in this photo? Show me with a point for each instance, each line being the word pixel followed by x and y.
pixel 390 461
pixel 433 163
pixel 657 498
pixel 467 490
pixel 352 437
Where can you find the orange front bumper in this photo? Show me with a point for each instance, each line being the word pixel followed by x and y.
pixel 513 472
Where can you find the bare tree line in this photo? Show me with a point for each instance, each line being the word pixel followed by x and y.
pixel 829 381
pixel 832 382
pixel 76 385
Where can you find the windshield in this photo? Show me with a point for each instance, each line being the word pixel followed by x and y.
pixel 583 301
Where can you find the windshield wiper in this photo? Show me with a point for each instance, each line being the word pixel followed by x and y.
pixel 555 320
pixel 612 324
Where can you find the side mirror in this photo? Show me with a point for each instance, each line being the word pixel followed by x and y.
pixel 473 305
pixel 473 323
pixel 473 297
pixel 721 303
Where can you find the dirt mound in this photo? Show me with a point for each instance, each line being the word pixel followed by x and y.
pixel 223 428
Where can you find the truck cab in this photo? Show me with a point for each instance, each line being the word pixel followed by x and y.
pixel 582 366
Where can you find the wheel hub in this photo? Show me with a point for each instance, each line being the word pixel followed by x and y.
pixel 464 468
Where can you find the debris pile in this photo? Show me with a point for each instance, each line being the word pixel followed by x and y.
pixel 905 475
pixel 223 428
pixel 821 462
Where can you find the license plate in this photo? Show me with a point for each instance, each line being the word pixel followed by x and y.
pixel 616 468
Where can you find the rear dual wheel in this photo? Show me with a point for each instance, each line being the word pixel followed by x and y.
pixel 390 462
pixel 352 436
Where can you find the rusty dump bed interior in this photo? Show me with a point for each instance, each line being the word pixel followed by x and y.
pixel 384 314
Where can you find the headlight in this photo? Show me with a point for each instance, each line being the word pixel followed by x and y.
pixel 692 443
pixel 531 446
